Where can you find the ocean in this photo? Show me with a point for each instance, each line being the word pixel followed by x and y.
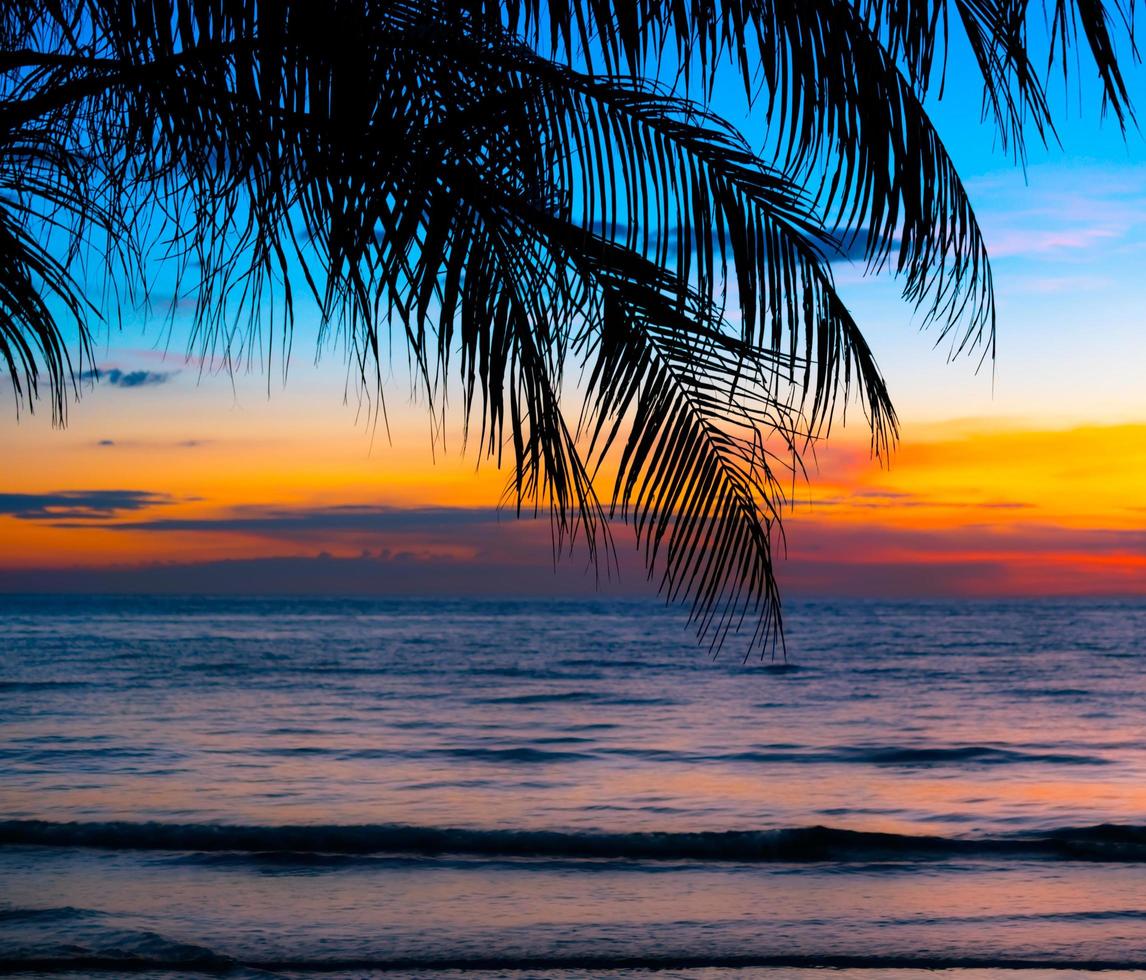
pixel 347 787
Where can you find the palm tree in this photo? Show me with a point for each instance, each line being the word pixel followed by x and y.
pixel 502 184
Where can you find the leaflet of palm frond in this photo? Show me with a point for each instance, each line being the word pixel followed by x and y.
pixel 841 116
pixel 642 153
pixel 883 167
pixel 827 57
pixel 915 35
pixel 29 334
pixel 1093 18
pixel 691 407
pixel 155 117
pixel 694 478
pixel 922 243
pixel 42 187
pixel 1014 90
pixel 729 208
pixel 509 272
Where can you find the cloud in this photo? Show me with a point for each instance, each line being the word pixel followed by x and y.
pixel 850 543
pixel 1076 215
pixel 899 500
pixel 899 579
pixel 1042 285
pixel 369 549
pixel 1039 241
pixel 128 379
pixel 488 530
pixel 400 572
pixel 852 244
pixel 77 505
pixel 471 541
pixel 388 573
pixel 151 444
pixel 305 522
pixel 848 244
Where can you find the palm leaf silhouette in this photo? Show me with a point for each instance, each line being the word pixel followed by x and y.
pixel 501 183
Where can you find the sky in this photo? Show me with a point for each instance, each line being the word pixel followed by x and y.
pixel 1024 476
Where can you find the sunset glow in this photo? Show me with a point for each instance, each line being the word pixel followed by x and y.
pixel 971 508
pixel 1022 475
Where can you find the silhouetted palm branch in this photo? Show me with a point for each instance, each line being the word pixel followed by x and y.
pixel 499 181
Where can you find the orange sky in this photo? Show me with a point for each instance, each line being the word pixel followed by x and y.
pixel 977 509
pixel 209 473
pixel 238 484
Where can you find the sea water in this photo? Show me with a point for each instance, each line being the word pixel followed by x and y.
pixel 290 786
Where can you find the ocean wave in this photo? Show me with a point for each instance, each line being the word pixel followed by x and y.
pixel 1105 842
pixel 542 698
pixel 64 940
pixel 985 755
pixel 54 914
pixel 214 965
pixel 521 754
pixel 43 685
pixel 909 757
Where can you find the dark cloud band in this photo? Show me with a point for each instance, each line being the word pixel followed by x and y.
pixel 362 519
pixel 128 379
pixel 77 505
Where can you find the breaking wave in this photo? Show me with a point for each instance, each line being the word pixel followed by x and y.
pixel 205 962
pixel 1105 842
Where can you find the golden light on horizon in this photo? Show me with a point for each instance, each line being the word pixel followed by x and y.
pixel 1056 509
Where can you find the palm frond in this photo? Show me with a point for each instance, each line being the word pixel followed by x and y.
pixel 494 187
pixel 842 87
pixel 42 191
pixel 1092 20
